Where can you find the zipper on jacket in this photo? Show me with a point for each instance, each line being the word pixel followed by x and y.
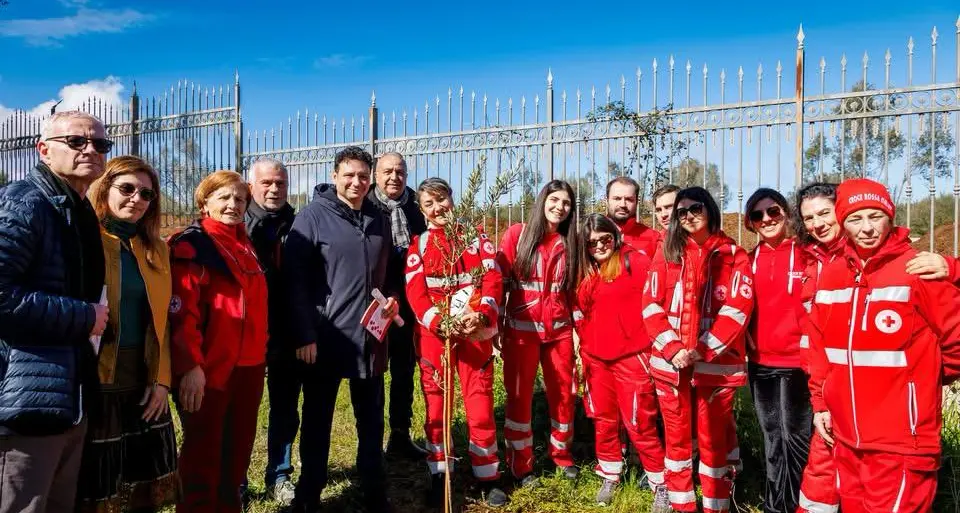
pixel 866 310
pixel 853 393
pixel 913 409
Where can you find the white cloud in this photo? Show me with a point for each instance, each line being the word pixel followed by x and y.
pixel 107 91
pixel 51 31
pixel 337 60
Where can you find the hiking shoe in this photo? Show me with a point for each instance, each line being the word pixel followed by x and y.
pixel 606 493
pixel 571 473
pixel 282 493
pixel 400 446
pixel 661 500
pixel 493 495
pixel 529 482
pixel 436 492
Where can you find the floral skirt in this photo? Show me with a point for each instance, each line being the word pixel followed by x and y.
pixel 129 464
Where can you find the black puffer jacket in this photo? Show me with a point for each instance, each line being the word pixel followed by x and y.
pixel 51 268
pixel 333 258
pixel 267 231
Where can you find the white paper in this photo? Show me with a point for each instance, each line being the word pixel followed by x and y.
pixel 95 339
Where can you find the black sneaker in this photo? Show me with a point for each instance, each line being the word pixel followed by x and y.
pixel 377 502
pixel 435 495
pixel 400 446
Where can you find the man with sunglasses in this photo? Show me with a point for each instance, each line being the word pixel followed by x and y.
pixel 623 194
pixel 51 281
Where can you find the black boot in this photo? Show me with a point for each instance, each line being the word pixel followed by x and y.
pixel 400 446
pixel 436 492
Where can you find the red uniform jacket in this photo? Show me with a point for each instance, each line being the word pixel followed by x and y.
pixel 640 237
pixel 537 310
pixel 218 311
pixel 428 283
pixel 778 311
pixel 611 328
pixel 817 257
pixel 702 303
pixel 889 340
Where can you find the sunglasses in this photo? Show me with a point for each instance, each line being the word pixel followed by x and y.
pixel 79 142
pixel 128 189
pixel 774 212
pixel 602 242
pixel 695 209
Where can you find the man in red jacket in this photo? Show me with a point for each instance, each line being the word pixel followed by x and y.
pixel 885 342
pixel 623 193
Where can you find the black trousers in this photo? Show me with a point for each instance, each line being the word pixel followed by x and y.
pixel 320 389
pixel 403 361
pixel 783 407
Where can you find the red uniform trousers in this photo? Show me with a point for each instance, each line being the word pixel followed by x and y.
pixel 872 481
pixel 733 457
pixel 520 361
pixel 473 362
pixel 622 390
pixel 714 411
pixel 218 441
pixel 818 488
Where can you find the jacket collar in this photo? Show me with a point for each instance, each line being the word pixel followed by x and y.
pixel 257 214
pixel 57 192
pixel 326 195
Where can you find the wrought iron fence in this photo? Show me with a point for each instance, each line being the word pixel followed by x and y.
pixel 669 121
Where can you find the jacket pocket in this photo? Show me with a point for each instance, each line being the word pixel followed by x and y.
pixel 913 408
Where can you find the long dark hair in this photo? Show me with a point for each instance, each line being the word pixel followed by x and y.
pixel 676 241
pixel 760 195
pixel 814 190
pixel 601 224
pixel 536 228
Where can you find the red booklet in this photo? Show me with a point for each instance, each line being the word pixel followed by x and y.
pixel 374 321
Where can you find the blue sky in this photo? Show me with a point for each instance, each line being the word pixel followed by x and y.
pixel 329 56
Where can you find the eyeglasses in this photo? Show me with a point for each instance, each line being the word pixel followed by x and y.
pixel 602 242
pixel 79 142
pixel 695 209
pixel 128 189
pixel 774 212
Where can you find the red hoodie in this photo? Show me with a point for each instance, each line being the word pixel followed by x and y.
pixel 778 313
pixel 640 237
pixel 611 328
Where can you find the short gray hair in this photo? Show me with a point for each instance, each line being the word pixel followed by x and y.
pixel 266 162
pixel 49 124
pixel 391 154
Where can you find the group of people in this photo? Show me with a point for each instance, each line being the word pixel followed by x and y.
pixel 843 333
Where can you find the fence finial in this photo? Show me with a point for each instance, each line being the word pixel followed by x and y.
pixel 549 78
pixel 934 35
pixel 134 88
pixel 800 37
pixel 910 45
pixel 236 76
pixel 373 98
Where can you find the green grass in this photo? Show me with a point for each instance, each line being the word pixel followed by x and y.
pixel 408 481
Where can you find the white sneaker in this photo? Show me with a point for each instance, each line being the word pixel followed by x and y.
pixel 282 493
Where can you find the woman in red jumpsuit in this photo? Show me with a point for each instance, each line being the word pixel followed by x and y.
pixel 699 295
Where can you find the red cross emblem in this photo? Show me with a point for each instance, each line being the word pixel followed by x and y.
pixel 888 321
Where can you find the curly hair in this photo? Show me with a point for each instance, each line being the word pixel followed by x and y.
pixel 353 153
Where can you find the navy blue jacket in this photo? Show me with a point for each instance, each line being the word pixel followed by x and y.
pixel 333 258
pixel 51 268
pixel 397 267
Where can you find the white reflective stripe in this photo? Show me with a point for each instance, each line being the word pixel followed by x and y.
pixel 559 426
pixel 716 369
pixel 868 358
pixel 895 294
pixel 677 465
pixel 830 297
pixel 516 426
pixel 557 444
pixel 808 306
pixel 714 472
pixel 682 497
pixel 483 451
pixel 662 365
pixel 520 444
pixel 449 281
pixel 733 313
pixel 712 341
pixel 612 468
pixel 489 263
pixel 716 504
pixel 429 316
pixel 674 321
pixel 486 471
pixel 537 286
pixel 413 274
pixel 438 467
pixel 489 301
pixel 526 326
pixel 817 507
pixel 655 477
pixel 665 338
pixel 435 448
pixel 804 342
pixel 903 484
pixel 651 310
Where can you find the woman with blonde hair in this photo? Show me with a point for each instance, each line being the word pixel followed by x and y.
pixel 129 460
pixel 219 343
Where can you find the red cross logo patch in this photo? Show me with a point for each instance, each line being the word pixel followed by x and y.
pixel 888 321
pixel 413 260
pixel 720 293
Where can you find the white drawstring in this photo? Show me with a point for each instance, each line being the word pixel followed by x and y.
pixel 790 270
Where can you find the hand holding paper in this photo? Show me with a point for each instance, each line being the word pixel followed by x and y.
pixel 100 324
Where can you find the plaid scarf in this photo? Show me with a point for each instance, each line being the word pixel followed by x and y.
pixel 398 220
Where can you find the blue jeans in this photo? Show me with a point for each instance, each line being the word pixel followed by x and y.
pixel 284 382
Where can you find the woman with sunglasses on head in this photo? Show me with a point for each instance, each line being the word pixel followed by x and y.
pixel 539 261
pixel 219 338
pixel 129 458
pixel 615 350
pixel 699 295
pixel 775 345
